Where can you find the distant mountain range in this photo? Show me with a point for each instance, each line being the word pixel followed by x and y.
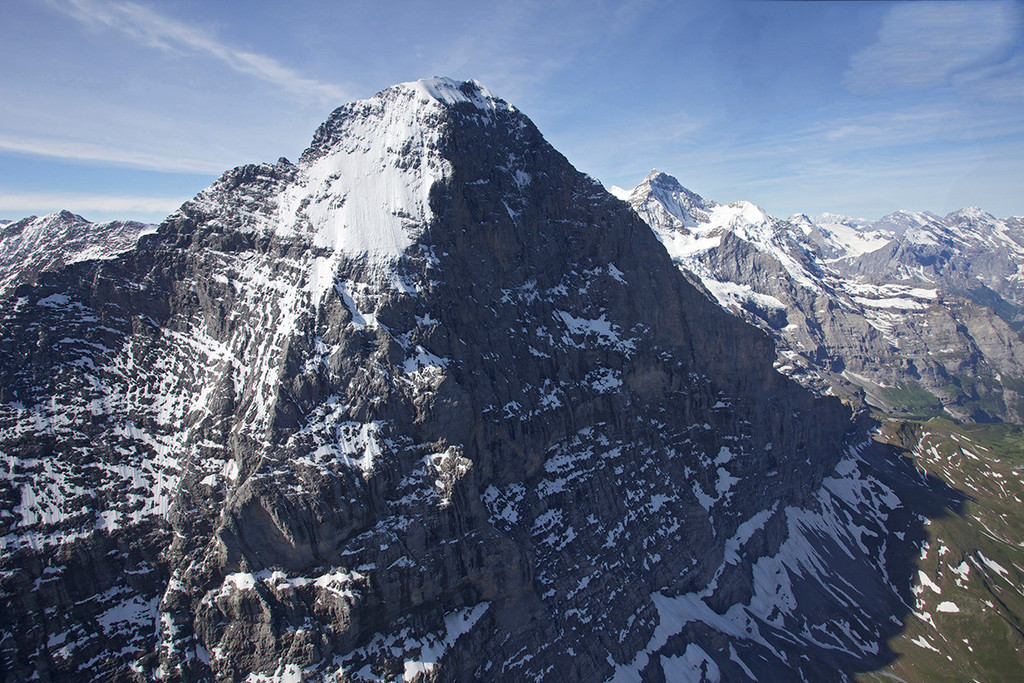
pixel 916 314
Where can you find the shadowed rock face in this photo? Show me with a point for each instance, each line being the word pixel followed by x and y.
pixel 478 427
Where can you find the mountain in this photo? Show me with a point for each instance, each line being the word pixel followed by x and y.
pixel 969 253
pixel 834 236
pixel 916 314
pixel 36 244
pixel 429 404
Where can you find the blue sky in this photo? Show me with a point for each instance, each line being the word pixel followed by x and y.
pixel 125 109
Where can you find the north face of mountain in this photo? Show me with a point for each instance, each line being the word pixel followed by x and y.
pixel 921 314
pixel 427 404
pixel 33 245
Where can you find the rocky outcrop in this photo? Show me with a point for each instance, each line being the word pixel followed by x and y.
pixel 428 404
pixel 34 245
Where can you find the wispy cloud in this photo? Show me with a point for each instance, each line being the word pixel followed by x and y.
pixel 925 44
pixel 521 48
pixel 85 151
pixel 867 164
pixel 509 49
pixel 156 30
pixel 886 132
pixel 937 125
pixel 48 202
pixel 627 152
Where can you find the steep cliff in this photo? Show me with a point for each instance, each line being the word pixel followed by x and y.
pixel 428 402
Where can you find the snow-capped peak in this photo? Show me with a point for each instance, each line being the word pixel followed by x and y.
pixel 661 200
pixel 619 192
pixel 362 187
pixel 367 193
pixel 828 217
pixel 901 221
pixel 744 212
pixel 970 213
pixel 66 215
pixel 664 183
pixel 452 92
pixel 656 177
pixel 41 243
pixel 689 225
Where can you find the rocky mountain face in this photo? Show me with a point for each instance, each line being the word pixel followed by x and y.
pixel 429 404
pixel 920 314
pixel 970 254
pixel 37 244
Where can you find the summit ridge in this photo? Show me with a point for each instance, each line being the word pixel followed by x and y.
pixel 363 185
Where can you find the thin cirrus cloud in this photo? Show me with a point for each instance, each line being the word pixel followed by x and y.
pixel 158 31
pixel 921 45
pixel 84 203
pixel 913 126
pixel 85 151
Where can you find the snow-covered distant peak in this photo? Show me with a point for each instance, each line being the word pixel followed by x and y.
pixel 830 219
pixel 740 213
pixel 666 205
pixel 663 183
pixel 662 179
pixel 972 214
pixel 804 224
pixel 62 217
pixel 980 229
pixel 42 243
pixel 62 227
pixel 620 192
pixel 847 237
pixel 837 236
pixel 898 222
pixel 689 226
pixel 65 215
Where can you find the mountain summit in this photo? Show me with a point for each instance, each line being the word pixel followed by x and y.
pixel 428 404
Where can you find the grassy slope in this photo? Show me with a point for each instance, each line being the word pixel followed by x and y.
pixel 968 620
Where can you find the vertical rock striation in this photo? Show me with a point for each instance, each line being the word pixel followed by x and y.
pixel 428 403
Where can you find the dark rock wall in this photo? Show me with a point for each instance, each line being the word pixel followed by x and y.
pixel 529 435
